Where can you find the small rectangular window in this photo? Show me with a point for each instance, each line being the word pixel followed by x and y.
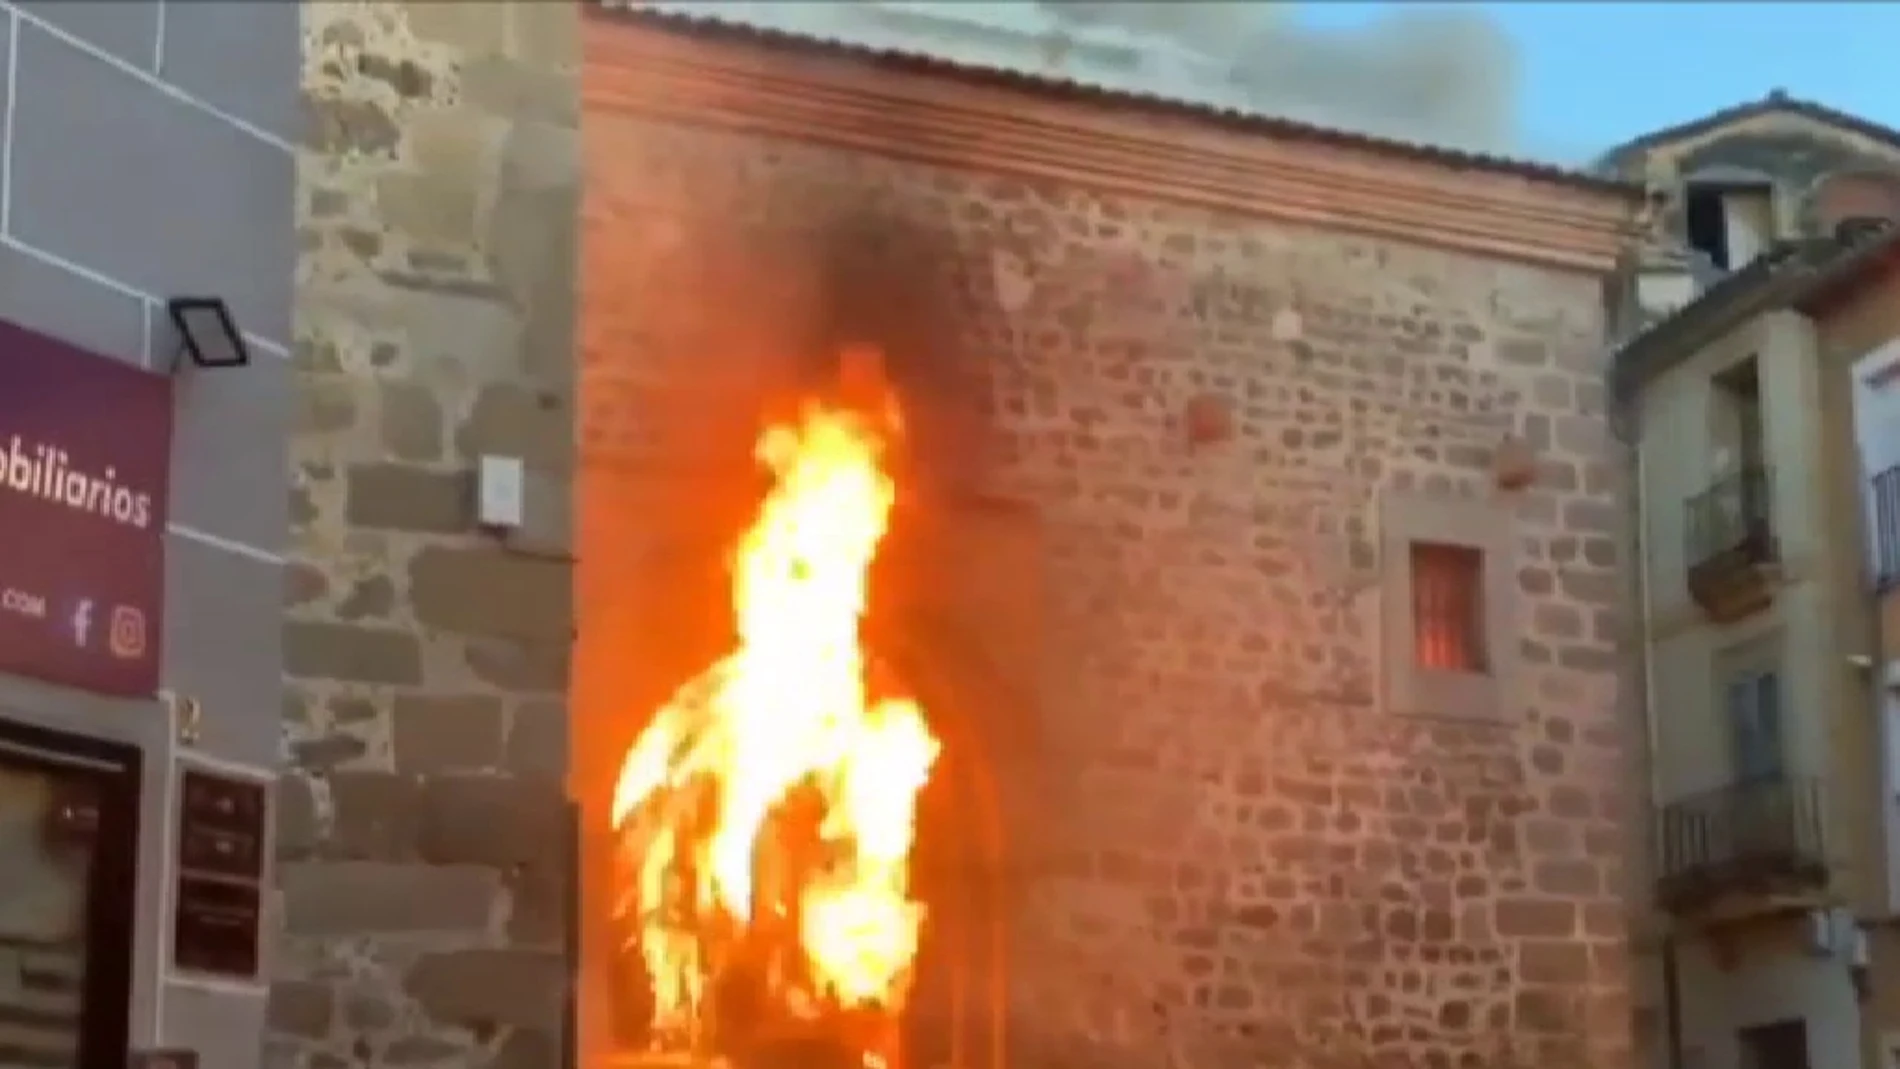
pixel 1448 625
pixel 1447 606
pixel 1754 716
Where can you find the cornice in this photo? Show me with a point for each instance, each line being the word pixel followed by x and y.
pixel 846 99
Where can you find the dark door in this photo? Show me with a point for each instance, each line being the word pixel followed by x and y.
pixel 68 848
pixel 1781 1045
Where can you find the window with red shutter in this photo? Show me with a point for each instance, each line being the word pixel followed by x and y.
pixel 1448 608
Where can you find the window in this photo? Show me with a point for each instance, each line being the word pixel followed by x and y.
pixel 1447 602
pixel 1781 1045
pixel 68 844
pixel 1753 701
pixel 1738 424
pixel 1730 224
pixel 1735 505
pixel 1448 608
pixel 1707 228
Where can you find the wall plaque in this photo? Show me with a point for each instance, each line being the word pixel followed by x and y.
pixel 218 900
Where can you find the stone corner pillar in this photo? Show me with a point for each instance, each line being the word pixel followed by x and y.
pixel 424 856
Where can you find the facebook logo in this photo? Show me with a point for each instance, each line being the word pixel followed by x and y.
pixel 81 622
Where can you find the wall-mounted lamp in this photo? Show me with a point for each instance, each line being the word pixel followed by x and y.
pixel 206 333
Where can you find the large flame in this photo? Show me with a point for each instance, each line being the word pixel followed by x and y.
pixel 767 812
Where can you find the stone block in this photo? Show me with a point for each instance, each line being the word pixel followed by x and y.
pixel 431 213
pixel 502 821
pixel 538 739
pixel 503 86
pixel 491 593
pixel 413 428
pixel 489 988
pixel 528 1048
pixel 301 1008
pixel 352 899
pixel 477 28
pixel 337 127
pixel 546 37
pixel 395 497
pixel 316 650
pixel 319 754
pixel 470 335
pixel 326 406
pixel 533 251
pixel 547 523
pixel 377 816
pixel 518 420
pixel 529 666
pixel 448 732
pixel 295 811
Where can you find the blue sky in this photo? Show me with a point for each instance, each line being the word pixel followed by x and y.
pixel 1595 73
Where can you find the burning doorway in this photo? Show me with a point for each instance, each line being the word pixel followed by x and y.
pixel 799 857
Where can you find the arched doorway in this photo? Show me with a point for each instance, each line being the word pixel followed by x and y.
pixel 955 617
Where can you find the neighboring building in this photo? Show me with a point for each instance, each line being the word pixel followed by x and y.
pixel 138 165
pixel 1858 321
pixel 1751 610
pixel 1278 567
pixel 1765 856
pixel 1725 188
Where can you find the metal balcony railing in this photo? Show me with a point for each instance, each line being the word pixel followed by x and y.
pixel 1759 836
pixel 1731 545
pixel 1731 517
pixel 1883 499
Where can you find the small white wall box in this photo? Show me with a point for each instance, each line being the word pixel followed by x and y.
pixel 500 492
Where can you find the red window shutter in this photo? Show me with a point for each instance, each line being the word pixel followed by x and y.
pixel 1447 607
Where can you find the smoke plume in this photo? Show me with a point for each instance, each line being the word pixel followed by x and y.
pixel 1438 75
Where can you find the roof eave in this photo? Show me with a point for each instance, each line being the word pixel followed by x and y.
pixel 713 26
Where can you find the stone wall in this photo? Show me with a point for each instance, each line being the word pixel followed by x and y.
pixel 1225 848
pixel 423 839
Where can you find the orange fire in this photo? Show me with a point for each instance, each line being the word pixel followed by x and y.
pixel 767 812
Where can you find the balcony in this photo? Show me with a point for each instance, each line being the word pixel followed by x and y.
pixel 1734 557
pixel 1883 517
pixel 1760 840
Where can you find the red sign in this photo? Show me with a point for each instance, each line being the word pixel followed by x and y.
pixel 85 458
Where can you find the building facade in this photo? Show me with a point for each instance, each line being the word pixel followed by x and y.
pixel 1287 743
pixel 1202 411
pixel 143 517
pixel 1771 800
pixel 1857 328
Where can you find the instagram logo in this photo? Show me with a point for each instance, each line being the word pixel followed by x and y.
pixel 126 635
